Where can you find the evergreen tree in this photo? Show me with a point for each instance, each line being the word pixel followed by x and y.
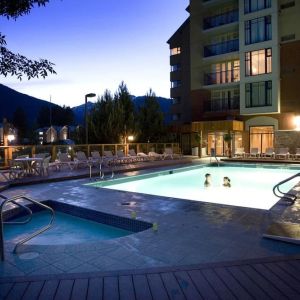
pixel 150 119
pixel 20 122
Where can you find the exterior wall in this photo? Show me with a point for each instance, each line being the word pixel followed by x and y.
pixel 181 38
pixel 274 44
pixel 290 139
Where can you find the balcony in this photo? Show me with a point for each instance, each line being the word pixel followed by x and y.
pixel 222 77
pixel 222 19
pixel 222 105
pixel 221 48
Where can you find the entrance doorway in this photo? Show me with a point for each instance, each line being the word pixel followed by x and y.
pixel 262 137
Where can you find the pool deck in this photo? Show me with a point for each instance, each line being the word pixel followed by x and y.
pixel 200 250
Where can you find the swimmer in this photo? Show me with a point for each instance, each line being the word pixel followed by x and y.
pixel 207 181
pixel 226 182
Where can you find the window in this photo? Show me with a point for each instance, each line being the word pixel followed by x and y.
pixel 175 68
pixel 259 94
pixel 176 100
pixel 258 30
pixel 175 51
pixel 255 5
pixel 175 83
pixel 258 62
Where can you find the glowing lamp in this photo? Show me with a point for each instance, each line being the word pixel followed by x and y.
pixel 10 137
pixel 297 122
pixel 130 138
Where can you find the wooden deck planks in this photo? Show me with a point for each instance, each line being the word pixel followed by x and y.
pixel 95 289
pixel 257 280
pixel 17 291
pixel 187 286
pixel 80 288
pixel 157 288
pixel 141 286
pixel 126 288
pixel 33 290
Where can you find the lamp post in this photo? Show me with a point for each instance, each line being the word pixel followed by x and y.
pixel 90 95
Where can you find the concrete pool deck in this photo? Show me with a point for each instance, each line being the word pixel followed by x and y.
pixel 188 233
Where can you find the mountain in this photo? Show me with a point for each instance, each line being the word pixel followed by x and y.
pixel 165 105
pixel 10 100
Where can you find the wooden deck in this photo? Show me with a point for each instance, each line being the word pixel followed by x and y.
pixel 270 278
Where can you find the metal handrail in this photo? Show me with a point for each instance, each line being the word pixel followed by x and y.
pixel 43 229
pixel 22 206
pixel 278 193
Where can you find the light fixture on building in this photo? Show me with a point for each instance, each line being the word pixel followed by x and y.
pixel 297 123
pixel 130 138
pixel 11 137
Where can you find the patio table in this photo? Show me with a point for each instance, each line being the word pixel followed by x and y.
pixel 30 165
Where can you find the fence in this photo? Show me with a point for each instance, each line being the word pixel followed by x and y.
pixel 10 152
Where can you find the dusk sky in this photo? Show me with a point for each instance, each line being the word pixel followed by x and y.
pixel 96 44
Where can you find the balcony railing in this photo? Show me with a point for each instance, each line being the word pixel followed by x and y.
pixel 222 77
pixel 221 48
pixel 222 105
pixel 222 19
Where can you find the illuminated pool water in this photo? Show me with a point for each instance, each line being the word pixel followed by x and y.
pixel 66 230
pixel 250 186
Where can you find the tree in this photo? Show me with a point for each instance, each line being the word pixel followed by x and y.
pixel 150 119
pixel 124 103
pixel 20 122
pixel 17 64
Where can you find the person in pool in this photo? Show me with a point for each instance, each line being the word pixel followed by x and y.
pixel 207 182
pixel 226 182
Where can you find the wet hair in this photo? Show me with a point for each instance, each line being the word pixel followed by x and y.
pixel 207 174
pixel 227 178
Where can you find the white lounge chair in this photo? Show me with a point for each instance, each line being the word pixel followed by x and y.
pixel 63 159
pixel 109 158
pixel 123 159
pixel 170 154
pixel 282 153
pixel 239 152
pixel 153 155
pixel 297 154
pixel 81 159
pixel 254 152
pixel 269 153
pixel 135 156
pixel 143 156
pixel 95 157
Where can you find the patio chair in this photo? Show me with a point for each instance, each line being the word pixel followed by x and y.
pixel 41 155
pixel 297 154
pixel 269 153
pixel 41 167
pixel 143 156
pixel 109 158
pixel 155 156
pixel 81 159
pixel 95 158
pixel 239 152
pixel 123 158
pixel 254 152
pixel 62 160
pixel 282 153
pixel 170 154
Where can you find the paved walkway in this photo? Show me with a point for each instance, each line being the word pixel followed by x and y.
pixel 255 279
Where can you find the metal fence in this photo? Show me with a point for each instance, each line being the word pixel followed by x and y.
pixel 10 152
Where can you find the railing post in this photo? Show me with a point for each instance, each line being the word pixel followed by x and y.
pixel 1 236
pixel 33 151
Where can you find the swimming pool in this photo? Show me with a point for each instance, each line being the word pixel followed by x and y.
pixel 66 230
pixel 251 185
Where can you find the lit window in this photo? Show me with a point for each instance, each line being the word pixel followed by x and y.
pixel 259 94
pixel 175 51
pixel 258 62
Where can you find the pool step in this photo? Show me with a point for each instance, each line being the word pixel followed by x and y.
pixel 284 231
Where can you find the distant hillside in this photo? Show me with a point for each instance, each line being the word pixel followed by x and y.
pixel 10 100
pixel 139 101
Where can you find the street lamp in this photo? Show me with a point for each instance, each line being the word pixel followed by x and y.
pixel 90 95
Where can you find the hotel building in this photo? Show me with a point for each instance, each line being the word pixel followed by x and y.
pixel 235 68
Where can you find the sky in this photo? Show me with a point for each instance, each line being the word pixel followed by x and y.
pixel 96 44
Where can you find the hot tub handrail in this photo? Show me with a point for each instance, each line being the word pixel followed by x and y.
pixel 43 229
pixel 29 211
pixel 280 194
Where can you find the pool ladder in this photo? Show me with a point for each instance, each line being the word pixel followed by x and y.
pixel 14 200
pixel 278 193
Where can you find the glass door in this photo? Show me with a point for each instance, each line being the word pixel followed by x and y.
pixel 262 137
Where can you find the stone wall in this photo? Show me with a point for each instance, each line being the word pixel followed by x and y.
pixel 290 139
